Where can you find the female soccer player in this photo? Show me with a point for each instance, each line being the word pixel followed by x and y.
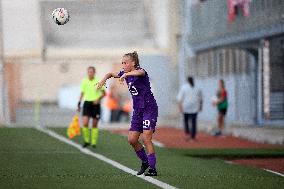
pixel 222 106
pixel 91 108
pixel 145 110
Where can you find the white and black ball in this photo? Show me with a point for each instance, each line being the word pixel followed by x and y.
pixel 60 16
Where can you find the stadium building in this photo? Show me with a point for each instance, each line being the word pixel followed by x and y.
pixel 241 42
pixel 44 63
pixel 244 46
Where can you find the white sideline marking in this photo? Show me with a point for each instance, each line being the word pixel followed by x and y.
pixel 159 144
pixel 280 174
pixel 268 170
pixel 105 159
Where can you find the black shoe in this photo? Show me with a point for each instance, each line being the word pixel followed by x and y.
pixel 86 144
pixel 151 172
pixel 143 168
pixel 219 133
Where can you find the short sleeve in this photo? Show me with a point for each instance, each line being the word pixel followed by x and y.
pixel 224 94
pixel 121 72
pixel 180 94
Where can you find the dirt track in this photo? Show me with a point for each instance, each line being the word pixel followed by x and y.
pixel 175 138
pixel 274 164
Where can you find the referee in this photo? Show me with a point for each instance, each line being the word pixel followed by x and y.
pixel 91 108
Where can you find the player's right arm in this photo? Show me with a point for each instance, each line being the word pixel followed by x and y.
pixel 82 88
pixel 79 102
pixel 106 77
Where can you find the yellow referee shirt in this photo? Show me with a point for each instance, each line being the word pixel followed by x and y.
pixel 89 89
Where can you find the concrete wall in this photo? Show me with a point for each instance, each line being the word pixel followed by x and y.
pixel 13 85
pixel 43 81
pixel 241 93
pixel 174 29
pixel 21 27
pixel 159 20
pixel 163 79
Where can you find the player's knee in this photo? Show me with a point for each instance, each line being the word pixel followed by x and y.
pixel 95 123
pixel 147 141
pixel 85 122
pixel 132 141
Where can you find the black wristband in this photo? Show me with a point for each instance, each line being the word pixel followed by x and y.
pixel 79 104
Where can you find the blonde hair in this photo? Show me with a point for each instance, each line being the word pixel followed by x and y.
pixel 134 57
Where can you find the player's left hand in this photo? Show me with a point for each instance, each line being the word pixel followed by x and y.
pixel 96 102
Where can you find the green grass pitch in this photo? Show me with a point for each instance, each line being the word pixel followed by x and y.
pixel 31 159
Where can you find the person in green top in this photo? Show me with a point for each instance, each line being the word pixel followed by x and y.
pixel 222 106
pixel 91 107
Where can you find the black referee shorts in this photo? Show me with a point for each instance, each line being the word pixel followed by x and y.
pixel 91 110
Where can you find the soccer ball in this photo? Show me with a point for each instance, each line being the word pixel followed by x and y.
pixel 60 16
pixel 214 100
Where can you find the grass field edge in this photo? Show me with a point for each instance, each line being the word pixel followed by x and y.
pixel 104 158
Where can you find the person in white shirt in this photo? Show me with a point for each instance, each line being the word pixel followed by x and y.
pixel 190 103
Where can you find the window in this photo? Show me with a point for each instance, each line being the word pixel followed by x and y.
pixel 227 61
pixel 220 63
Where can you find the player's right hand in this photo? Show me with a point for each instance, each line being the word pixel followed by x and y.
pixel 79 107
pixel 100 84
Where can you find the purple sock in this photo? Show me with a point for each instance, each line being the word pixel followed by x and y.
pixel 141 154
pixel 152 160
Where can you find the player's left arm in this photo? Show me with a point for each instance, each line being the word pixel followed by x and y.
pixel 101 97
pixel 138 73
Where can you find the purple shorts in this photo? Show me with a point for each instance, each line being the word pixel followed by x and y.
pixel 144 118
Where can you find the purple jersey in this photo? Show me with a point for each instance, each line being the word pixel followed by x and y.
pixel 140 90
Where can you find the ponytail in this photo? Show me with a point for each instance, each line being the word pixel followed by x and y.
pixel 134 57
